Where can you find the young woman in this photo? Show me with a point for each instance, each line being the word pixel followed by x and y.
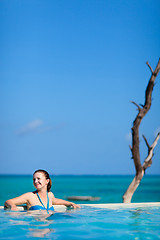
pixel 42 198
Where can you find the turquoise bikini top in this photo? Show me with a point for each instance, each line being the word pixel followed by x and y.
pixel 39 207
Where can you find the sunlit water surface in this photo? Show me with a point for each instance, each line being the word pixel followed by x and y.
pixel 84 223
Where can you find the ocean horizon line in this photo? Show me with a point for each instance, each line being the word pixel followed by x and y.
pixel 78 175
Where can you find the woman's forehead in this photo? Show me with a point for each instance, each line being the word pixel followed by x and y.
pixel 38 174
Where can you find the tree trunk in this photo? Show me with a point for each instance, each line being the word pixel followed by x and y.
pixel 142 111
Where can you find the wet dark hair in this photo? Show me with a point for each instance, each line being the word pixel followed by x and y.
pixel 47 177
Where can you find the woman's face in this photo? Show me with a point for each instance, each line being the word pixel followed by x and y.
pixel 40 181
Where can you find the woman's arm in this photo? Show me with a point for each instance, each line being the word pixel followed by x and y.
pixel 57 201
pixel 11 203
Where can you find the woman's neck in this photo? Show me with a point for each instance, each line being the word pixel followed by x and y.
pixel 42 192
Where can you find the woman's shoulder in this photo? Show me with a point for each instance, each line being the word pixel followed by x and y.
pixel 29 194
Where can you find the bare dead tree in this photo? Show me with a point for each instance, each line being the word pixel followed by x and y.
pixel 142 111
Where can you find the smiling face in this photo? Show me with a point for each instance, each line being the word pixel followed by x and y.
pixel 40 181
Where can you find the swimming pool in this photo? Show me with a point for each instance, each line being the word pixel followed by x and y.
pixel 85 223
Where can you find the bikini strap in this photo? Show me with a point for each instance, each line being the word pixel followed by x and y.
pixel 42 202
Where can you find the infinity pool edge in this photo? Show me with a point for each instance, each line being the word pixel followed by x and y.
pixel 62 208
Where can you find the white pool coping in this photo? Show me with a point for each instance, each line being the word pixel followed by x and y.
pixel 122 205
pixel 62 208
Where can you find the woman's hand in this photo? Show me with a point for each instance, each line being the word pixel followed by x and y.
pixel 9 204
pixel 14 208
pixel 74 205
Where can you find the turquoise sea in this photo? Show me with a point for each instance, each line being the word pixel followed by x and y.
pixel 108 188
pixel 86 222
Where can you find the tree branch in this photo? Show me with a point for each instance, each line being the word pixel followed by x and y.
pixel 146 163
pixel 136 105
pixel 150 67
pixel 146 141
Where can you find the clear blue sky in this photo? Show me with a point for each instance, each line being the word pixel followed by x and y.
pixel 68 71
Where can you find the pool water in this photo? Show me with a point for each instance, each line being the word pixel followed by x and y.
pixel 84 223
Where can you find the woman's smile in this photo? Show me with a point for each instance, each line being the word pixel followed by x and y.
pixel 37 184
